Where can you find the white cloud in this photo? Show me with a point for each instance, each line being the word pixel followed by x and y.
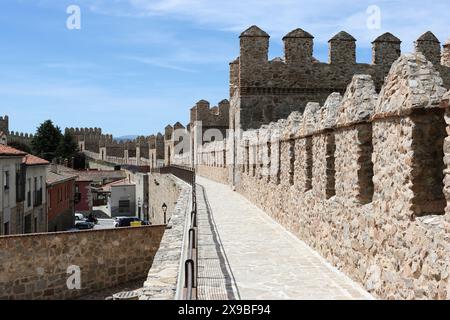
pixel 323 18
pixel 158 62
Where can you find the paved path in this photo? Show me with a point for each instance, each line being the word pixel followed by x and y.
pixel 215 280
pixel 253 257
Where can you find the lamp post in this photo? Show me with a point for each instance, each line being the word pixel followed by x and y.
pixel 164 208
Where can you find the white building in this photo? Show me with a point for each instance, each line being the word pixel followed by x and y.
pixel 140 179
pixel 121 198
pixel 35 208
pixel 23 192
pixel 10 165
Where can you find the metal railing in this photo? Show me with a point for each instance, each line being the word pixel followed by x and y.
pixel 187 174
pixel 191 263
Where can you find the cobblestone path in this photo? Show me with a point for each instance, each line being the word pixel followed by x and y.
pixel 244 254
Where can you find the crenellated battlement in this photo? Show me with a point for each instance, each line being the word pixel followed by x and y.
pixel 20 137
pixel 271 90
pixel 217 116
pixel 84 131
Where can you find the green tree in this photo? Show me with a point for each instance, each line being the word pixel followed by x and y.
pixel 67 147
pixel 46 140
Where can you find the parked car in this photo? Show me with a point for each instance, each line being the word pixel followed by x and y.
pixel 84 225
pixel 91 218
pixel 126 221
pixel 79 217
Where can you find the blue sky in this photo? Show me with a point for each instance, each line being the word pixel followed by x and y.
pixel 137 65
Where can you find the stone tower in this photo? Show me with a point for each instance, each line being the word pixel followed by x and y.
pixel 298 47
pixel 4 124
pixel 386 49
pixel 254 49
pixel 342 49
pixel 430 46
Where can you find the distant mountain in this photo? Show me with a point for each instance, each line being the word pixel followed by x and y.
pixel 126 138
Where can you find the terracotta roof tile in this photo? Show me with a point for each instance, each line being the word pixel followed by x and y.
pixel 9 151
pixel 31 160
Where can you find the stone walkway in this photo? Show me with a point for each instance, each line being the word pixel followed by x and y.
pixel 244 254
pixel 215 281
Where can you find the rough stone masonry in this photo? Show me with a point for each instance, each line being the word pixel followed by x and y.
pixel 352 158
pixel 363 179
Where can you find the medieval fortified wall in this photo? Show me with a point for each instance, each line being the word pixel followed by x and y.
pixel 351 158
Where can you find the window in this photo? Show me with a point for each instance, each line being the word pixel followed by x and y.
pixel 20 183
pixel 124 206
pixel 27 228
pixel 6 180
pixel 6 228
pixel 29 193
pixel 37 193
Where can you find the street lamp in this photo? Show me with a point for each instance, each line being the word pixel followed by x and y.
pixel 164 208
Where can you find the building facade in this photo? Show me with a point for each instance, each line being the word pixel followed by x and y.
pixel 35 204
pixel 10 170
pixel 23 194
pixel 60 200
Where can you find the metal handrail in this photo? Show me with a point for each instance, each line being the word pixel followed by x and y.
pixel 187 174
pixel 189 270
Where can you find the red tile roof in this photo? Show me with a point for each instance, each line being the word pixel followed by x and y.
pixel 57 178
pixel 31 160
pixel 9 151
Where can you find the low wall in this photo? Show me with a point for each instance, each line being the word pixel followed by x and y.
pixel 35 266
pixel 163 188
pixel 164 276
pixel 218 174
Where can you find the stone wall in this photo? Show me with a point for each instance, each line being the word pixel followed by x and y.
pixel 19 137
pixel 163 281
pixel 271 90
pixel 212 162
pixel 219 174
pixel 35 266
pixel 163 188
pixel 360 179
